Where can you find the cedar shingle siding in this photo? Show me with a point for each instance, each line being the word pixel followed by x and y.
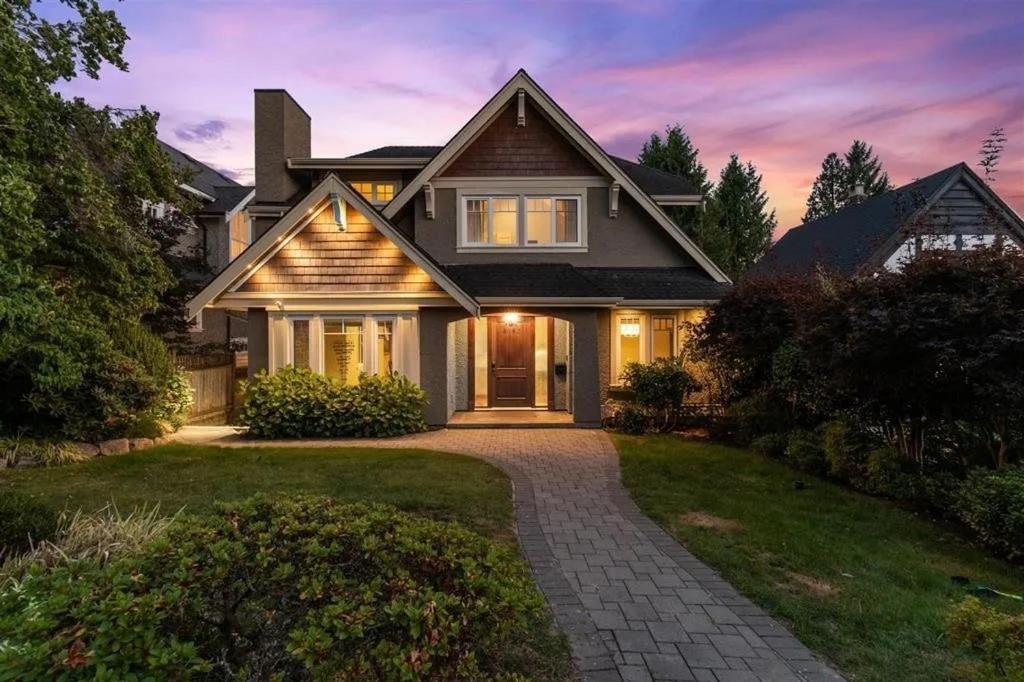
pixel 505 149
pixel 323 258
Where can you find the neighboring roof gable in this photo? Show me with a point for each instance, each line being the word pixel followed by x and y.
pixel 204 178
pixel 271 241
pixel 863 235
pixel 229 199
pixel 554 113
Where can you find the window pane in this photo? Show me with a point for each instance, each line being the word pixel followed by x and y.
pixel 629 341
pixel 505 228
pixel 385 191
pixel 300 344
pixel 663 331
pixel 476 221
pixel 566 221
pixel 538 221
pixel 364 188
pixel 385 337
pixel 343 350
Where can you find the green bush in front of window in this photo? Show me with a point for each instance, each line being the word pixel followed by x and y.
pixel 299 403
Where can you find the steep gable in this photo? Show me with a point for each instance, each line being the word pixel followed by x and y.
pixel 321 257
pixel 505 148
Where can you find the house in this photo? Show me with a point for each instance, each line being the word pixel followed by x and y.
pixel 518 266
pixel 952 209
pixel 225 231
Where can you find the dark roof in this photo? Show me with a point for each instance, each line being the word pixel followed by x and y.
pixel 652 284
pixel 228 198
pixel 561 280
pixel 202 177
pixel 845 241
pixel 400 152
pixel 654 181
pixel 650 180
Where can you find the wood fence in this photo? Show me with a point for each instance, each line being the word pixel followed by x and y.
pixel 213 387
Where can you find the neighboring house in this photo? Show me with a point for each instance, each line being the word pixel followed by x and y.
pixel 518 266
pixel 953 209
pixel 225 231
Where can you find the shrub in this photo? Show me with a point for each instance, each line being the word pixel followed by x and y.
pixel 45 453
pixel 660 387
pixel 298 403
pixel 770 445
pixel 845 451
pixel 281 589
pixel 749 418
pixel 997 638
pixel 885 472
pixel 804 452
pixel 629 418
pixel 991 503
pixel 23 521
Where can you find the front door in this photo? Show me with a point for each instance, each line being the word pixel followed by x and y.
pixel 510 350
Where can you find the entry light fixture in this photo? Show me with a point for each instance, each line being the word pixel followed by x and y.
pixel 511 318
pixel 629 327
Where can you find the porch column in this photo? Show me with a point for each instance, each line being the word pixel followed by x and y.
pixel 586 386
pixel 259 349
pixel 434 360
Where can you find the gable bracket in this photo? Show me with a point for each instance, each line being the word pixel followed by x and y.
pixel 521 111
pixel 613 200
pixel 428 195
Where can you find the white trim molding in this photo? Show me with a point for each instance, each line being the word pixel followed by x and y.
pixel 678 199
pixel 522 81
pixel 521 195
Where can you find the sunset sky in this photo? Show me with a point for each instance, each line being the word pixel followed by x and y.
pixel 779 83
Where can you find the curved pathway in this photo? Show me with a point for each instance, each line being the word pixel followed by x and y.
pixel 635 604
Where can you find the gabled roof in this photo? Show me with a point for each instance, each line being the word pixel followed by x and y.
pixel 848 240
pixel 271 241
pixel 228 199
pixel 522 81
pixel 220 193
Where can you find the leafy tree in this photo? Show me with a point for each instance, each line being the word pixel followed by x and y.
pixel 744 225
pixel 76 253
pixel 676 154
pixel 833 189
pixel 829 192
pixel 865 169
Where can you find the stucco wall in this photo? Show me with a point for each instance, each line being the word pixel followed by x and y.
pixel 458 366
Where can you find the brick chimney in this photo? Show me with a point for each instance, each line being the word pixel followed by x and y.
pixel 282 131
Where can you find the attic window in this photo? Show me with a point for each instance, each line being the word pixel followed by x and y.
pixel 377 193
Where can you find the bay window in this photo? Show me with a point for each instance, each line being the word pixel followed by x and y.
pixel 521 220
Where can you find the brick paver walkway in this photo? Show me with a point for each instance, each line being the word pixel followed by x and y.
pixel 635 604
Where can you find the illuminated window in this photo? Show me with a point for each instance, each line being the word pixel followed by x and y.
pixel 663 337
pixel 545 221
pixel 300 344
pixel 628 334
pixel 343 350
pixel 364 188
pixel 385 347
pixel 375 192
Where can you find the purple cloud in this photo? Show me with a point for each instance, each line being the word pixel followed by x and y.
pixel 206 131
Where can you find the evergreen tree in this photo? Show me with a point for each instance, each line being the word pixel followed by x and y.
pixel 829 192
pixel 676 154
pixel 864 168
pixel 744 225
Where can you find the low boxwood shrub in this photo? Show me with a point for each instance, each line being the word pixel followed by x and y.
pixel 299 403
pixel 660 388
pixel 23 521
pixel 279 589
pixel 804 451
pixel 997 638
pixel 991 503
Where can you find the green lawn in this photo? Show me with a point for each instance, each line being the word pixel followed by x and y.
pixel 861 581
pixel 440 485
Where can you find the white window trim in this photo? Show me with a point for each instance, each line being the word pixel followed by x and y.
pixel 521 194
pixel 290 351
pixel 646 318
pixel 342 317
pixel 377 319
pixel 554 198
pixel 369 321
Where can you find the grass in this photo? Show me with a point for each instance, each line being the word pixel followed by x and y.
pixel 861 581
pixel 439 485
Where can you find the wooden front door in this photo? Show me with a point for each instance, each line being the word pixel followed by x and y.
pixel 510 350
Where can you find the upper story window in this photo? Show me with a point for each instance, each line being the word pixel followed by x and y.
pixel 376 192
pixel 521 220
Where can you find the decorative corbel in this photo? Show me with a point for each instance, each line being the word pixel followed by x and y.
pixel 521 116
pixel 338 207
pixel 613 200
pixel 428 194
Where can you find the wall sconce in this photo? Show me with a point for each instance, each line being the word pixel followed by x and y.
pixel 629 328
pixel 511 319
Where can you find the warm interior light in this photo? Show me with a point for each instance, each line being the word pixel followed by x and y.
pixel 510 318
pixel 629 329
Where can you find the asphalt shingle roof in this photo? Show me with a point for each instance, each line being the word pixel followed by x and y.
pixel 650 180
pixel 203 177
pixel 228 197
pixel 561 280
pixel 846 240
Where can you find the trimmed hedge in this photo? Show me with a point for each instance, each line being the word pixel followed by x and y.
pixel 299 403
pixel 279 589
pixel 991 503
